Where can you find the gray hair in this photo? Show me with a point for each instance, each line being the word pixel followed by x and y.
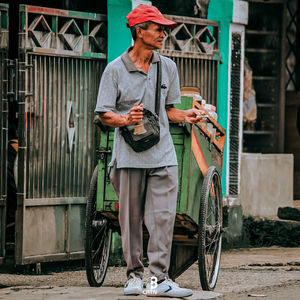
pixel 143 25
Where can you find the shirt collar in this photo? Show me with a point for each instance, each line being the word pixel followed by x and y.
pixel 130 65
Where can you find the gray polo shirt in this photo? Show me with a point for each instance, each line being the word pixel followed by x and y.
pixel 123 85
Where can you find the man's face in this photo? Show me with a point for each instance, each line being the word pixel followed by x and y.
pixel 153 36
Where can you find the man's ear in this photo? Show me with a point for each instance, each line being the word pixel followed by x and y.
pixel 139 32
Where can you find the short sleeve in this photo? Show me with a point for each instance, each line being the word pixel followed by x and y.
pixel 173 96
pixel 108 91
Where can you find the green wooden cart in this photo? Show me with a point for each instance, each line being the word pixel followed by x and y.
pixel 198 224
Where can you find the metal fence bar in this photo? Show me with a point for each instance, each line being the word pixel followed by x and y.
pixel 3 146
pixel 3 122
pixel 85 110
pixel 58 95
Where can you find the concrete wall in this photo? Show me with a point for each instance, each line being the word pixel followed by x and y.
pixel 266 183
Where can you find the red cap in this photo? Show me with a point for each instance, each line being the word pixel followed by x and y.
pixel 145 13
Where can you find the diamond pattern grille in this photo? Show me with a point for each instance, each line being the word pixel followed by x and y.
pixel 292 61
pixel 192 37
pixel 68 33
pixel 40 32
pixel 98 37
pixel 71 35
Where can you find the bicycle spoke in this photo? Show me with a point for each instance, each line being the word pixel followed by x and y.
pixel 213 239
pixel 100 244
pixel 97 235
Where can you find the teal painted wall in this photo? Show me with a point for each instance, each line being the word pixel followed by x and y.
pixel 119 37
pixel 222 10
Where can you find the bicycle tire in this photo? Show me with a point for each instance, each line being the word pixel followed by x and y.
pixel 98 238
pixel 210 229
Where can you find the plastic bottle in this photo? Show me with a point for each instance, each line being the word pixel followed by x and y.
pixel 211 110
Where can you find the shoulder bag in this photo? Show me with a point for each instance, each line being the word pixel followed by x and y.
pixel 150 134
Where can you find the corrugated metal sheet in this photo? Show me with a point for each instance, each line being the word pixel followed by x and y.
pixel 60 140
pixel 201 73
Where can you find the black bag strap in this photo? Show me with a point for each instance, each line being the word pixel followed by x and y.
pixel 158 88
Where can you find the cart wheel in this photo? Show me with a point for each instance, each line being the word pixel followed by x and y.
pixel 97 240
pixel 210 229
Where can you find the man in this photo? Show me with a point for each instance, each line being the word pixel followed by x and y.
pixel 145 182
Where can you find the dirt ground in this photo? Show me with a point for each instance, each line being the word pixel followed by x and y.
pixel 242 271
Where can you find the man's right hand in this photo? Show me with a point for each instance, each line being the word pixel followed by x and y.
pixel 136 114
pixel 112 119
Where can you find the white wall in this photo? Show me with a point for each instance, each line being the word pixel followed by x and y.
pixel 266 183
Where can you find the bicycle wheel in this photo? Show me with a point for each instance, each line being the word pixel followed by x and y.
pixel 97 238
pixel 210 229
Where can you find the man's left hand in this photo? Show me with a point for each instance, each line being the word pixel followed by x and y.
pixel 193 115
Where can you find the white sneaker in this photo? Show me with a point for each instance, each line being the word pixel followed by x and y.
pixel 167 288
pixel 133 286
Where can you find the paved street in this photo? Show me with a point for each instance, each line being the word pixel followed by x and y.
pixel 287 291
pixel 245 273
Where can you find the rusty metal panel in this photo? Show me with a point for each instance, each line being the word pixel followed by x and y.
pixel 3 122
pixel 62 58
pixel 194 46
pixel 56 228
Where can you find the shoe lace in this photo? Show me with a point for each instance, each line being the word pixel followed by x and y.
pixel 132 280
pixel 170 281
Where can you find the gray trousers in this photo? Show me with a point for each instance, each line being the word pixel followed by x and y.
pixel 149 195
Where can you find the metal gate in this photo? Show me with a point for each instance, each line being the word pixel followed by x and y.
pixel 194 46
pixel 3 123
pixel 62 55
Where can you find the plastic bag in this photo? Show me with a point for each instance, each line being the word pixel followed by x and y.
pixel 249 104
